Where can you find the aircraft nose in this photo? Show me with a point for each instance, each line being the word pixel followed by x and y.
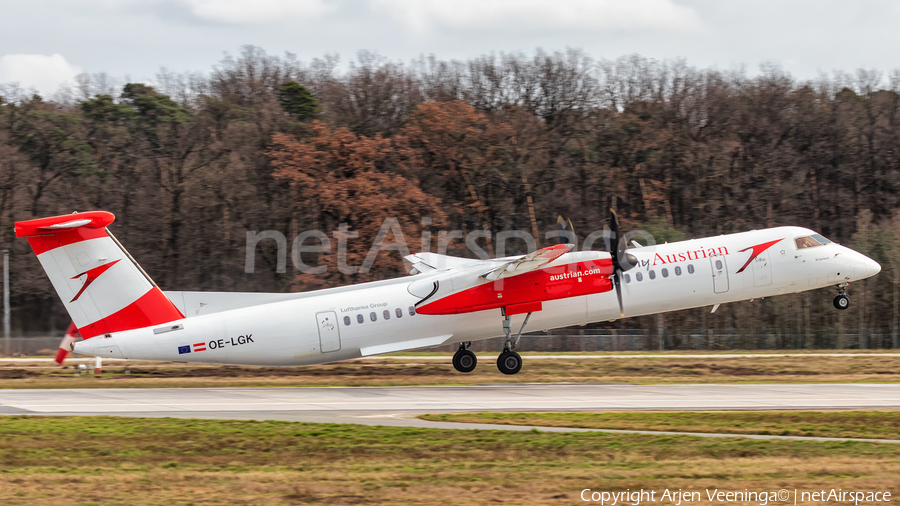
pixel 872 267
pixel 864 267
pixel 859 266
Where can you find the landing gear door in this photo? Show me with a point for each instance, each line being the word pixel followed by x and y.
pixel 762 270
pixel 329 331
pixel 720 274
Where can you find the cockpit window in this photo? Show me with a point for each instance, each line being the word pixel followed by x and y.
pixel 821 239
pixel 810 241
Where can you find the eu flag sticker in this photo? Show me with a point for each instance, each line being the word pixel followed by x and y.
pixel 184 349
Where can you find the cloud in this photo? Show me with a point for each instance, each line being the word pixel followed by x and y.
pixel 232 12
pixel 39 71
pixel 541 16
pixel 256 11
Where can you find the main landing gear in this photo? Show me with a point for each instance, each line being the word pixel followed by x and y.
pixel 464 360
pixel 510 362
pixel 842 301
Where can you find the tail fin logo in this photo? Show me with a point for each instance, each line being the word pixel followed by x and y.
pixel 92 275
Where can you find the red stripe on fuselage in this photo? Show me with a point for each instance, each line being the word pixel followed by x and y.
pixel 559 282
pixel 152 308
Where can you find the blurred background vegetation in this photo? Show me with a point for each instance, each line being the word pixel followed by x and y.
pixel 192 162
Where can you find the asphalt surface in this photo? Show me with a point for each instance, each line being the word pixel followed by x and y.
pixel 399 406
pixel 447 358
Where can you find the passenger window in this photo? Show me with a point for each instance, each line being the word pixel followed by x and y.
pixel 638 276
pixel 346 320
pixel 412 310
pixel 691 269
pixel 373 317
pixel 387 314
pixel 359 318
pixel 652 274
pixel 399 313
pixel 719 264
pixel 665 272
pixel 678 271
pixel 627 278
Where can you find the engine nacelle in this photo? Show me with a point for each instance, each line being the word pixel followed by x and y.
pixel 571 275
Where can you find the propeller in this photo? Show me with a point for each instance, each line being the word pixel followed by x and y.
pixel 621 259
pixel 566 231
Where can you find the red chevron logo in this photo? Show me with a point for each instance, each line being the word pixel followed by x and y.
pixel 92 275
pixel 759 248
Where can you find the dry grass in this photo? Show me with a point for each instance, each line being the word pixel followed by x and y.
pixel 164 461
pixel 849 424
pixel 773 368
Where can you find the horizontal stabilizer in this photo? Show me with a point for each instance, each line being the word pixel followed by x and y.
pixel 47 226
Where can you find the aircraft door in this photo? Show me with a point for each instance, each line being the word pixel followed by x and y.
pixel 720 274
pixel 329 331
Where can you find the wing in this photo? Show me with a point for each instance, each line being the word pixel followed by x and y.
pixel 530 262
pixel 430 262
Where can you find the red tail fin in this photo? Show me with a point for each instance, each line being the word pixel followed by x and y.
pixel 102 293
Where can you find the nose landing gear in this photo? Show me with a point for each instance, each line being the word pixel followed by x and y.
pixel 464 360
pixel 842 301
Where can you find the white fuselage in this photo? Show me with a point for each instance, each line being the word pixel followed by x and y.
pixel 372 318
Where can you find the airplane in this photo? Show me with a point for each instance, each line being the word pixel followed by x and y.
pixel 121 313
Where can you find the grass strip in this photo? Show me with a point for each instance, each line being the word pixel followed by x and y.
pixel 105 460
pixel 848 424
pixel 399 372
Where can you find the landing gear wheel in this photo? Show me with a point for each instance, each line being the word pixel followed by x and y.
pixel 842 302
pixel 509 362
pixel 464 361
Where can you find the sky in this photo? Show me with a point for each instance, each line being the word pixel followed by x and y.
pixel 46 42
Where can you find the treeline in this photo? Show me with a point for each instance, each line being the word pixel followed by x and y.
pixel 190 163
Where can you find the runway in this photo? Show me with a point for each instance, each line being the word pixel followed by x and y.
pixel 399 406
pixel 558 356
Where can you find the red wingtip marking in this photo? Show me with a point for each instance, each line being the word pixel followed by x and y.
pixel 757 250
pixel 92 275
